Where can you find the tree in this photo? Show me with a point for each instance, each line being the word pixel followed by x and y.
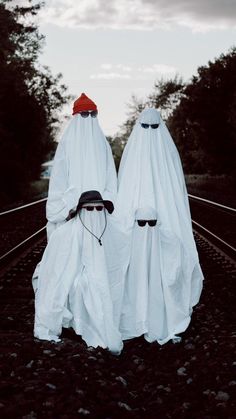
pixel 30 98
pixel 201 116
pixel 204 122
pixel 166 95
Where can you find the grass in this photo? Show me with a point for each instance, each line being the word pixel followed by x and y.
pixel 218 188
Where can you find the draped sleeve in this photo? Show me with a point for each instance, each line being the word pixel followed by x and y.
pixel 62 197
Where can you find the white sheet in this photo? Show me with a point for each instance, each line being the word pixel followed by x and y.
pixel 83 162
pixel 76 280
pixel 151 175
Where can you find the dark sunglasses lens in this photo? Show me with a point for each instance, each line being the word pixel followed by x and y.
pixel 84 114
pixel 152 223
pixel 141 223
pixel 89 208
pixel 145 126
pixel 155 126
pixel 94 114
pixel 99 207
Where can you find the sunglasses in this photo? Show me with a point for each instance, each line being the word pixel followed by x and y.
pixel 85 114
pixel 142 223
pixel 146 126
pixel 93 207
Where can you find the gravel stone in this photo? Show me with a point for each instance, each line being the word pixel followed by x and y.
pixel 124 406
pixel 189 346
pixel 51 386
pixel 13 355
pixel 122 380
pixel 232 383
pixel 29 365
pixel 222 396
pixel 181 371
pixel 84 412
pixel 31 415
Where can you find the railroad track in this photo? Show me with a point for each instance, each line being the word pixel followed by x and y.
pixel 194 379
pixel 23 225
pixel 216 223
pixel 20 227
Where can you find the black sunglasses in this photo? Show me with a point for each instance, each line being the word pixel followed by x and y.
pixel 146 126
pixel 85 114
pixel 142 223
pixel 93 207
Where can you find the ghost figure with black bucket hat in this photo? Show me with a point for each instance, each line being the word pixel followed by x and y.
pixel 79 272
pixel 83 161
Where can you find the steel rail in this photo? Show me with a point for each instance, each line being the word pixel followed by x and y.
pixel 191 196
pixel 43 228
pixel 214 235
pixel 23 206
pixel 212 202
pixel 22 243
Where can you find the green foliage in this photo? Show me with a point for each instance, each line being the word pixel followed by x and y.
pixel 201 116
pixel 117 146
pixel 204 122
pixel 30 98
pixel 166 95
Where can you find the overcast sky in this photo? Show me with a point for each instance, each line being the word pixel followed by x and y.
pixel 111 49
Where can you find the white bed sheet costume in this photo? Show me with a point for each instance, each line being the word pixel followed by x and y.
pixel 74 265
pixel 163 258
pixel 77 274
pixel 83 162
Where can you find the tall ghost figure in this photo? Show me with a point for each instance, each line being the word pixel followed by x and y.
pixel 151 175
pixel 83 161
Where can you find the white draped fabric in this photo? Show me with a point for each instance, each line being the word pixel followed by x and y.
pixel 76 280
pixel 155 300
pixel 151 175
pixel 83 162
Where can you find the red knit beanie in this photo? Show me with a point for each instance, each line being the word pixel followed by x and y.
pixel 83 103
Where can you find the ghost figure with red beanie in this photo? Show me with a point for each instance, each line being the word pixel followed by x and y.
pixel 82 265
pixel 83 161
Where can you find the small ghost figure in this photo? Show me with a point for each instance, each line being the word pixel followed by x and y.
pixel 74 287
pixel 154 302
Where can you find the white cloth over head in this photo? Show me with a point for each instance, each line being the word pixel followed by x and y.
pixel 154 302
pixel 76 279
pixel 151 175
pixel 83 161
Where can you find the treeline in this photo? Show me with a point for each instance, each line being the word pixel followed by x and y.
pixel 201 116
pixel 30 97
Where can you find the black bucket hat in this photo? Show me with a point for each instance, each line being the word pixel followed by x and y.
pixel 94 196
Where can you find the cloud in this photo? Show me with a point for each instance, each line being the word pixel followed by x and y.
pixel 122 67
pixel 158 68
pixel 109 76
pixel 141 14
pixel 126 72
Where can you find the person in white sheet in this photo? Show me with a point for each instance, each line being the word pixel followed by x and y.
pixel 154 303
pixel 151 175
pixel 83 161
pixel 77 274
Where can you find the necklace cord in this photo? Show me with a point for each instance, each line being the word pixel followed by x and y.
pixel 98 238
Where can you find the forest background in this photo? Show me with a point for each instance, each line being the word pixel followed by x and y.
pixel 200 114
